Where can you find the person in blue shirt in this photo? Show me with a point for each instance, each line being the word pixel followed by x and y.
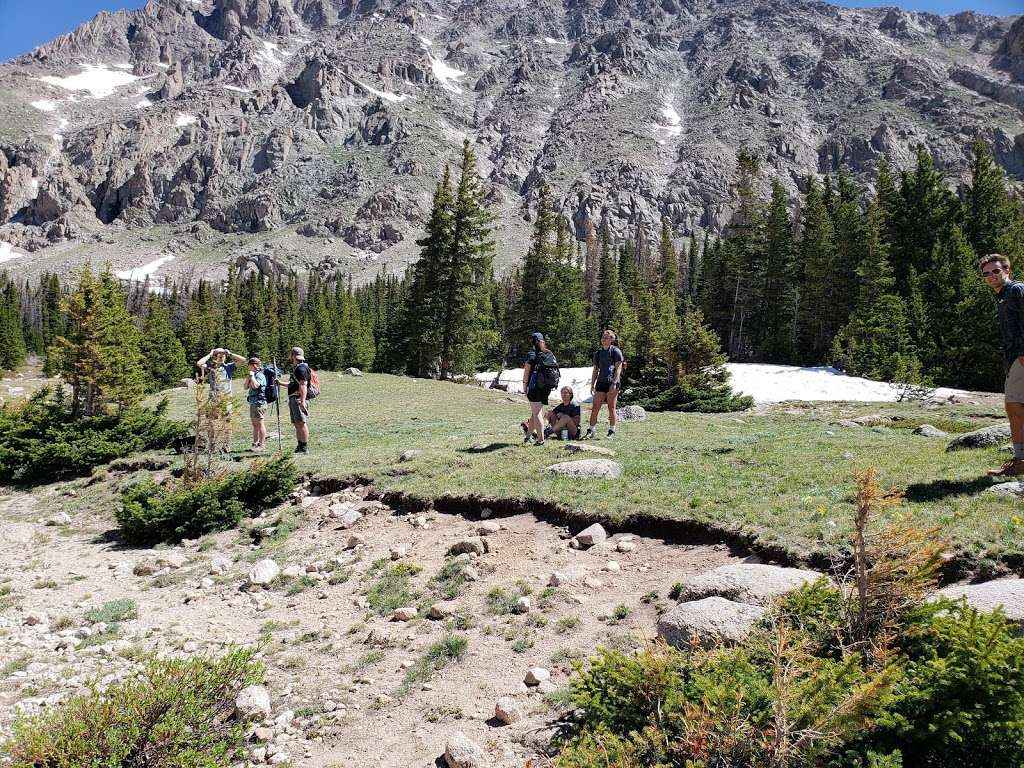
pixel 256 396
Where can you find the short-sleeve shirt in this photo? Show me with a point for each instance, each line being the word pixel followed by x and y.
pixel 258 394
pixel 219 376
pixel 301 372
pixel 1010 302
pixel 605 361
pixel 571 410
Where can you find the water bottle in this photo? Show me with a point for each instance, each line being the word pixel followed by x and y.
pixel 564 434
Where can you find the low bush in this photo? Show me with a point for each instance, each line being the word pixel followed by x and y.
pixel 393 589
pixel 176 713
pixel 150 513
pixel 41 442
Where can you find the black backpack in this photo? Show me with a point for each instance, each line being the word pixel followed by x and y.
pixel 547 370
pixel 270 389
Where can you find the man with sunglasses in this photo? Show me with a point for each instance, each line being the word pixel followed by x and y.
pixel 995 268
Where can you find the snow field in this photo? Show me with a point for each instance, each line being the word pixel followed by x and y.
pixel 673 124
pixel 7 252
pixel 183 120
pixel 394 98
pixel 140 274
pixel 98 79
pixel 46 105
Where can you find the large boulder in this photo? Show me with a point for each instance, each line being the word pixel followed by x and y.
pixel 986 437
pixel 927 430
pixel 708 623
pixel 588 468
pixel 747 583
pixel 461 752
pixel 1014 488
pixel 631 413
pixel 1007 594
pixel 597 450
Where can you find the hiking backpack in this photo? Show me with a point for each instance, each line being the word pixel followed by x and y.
pixel 313 385
pixel 270 373
pixel 547 371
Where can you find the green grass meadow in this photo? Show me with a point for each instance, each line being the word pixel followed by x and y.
pixel 782 475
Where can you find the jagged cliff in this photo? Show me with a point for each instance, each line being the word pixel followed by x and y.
pixel 309 133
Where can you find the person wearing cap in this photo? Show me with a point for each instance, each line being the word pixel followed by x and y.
pixel 537 387
pixel 256 396
pixel 298 406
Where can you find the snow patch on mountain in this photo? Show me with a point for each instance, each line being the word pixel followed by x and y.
pixel 143 104
pixel 99 80
pixel 182 120
pixel 7 252
pixel 46 105
pixel 394 98
pixel 447 74
pixel 671 124
pixel 140 274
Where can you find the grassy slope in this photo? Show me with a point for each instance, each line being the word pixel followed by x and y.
pixel 784 474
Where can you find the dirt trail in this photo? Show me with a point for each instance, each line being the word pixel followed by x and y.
pixel 335 669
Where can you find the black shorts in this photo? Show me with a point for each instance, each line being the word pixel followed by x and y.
pixel 538 395
pixel 603 386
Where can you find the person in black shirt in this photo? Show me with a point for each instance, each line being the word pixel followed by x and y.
pixel 564 416
pixel 995 268
pixel 298 406
pixel 605 381
pixel 536 391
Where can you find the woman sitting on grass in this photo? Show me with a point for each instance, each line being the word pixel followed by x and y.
pixel 564 417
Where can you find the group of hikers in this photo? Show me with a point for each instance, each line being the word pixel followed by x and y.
pixel 261 385
pixel 541 376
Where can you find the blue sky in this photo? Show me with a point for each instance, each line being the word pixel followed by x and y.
pixel 24 24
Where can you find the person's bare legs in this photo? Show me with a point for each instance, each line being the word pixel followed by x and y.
pixel 256 431
pixel 536 422
pixel 595 408
pixel 1015 413
pixel 302 432
pixel 613 417
pixel 262 441
pixel 564 422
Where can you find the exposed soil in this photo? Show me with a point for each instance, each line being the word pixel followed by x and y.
pixel 336 666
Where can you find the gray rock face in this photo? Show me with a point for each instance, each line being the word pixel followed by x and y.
pixel 987 437
pixel 253 702
pixel 591 536
pixel 809 87
pixel 1005 593
pixel 588 468
pixel 747 583
pixel 709 623
pixel 461 752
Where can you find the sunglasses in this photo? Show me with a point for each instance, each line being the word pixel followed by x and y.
pixel 993 271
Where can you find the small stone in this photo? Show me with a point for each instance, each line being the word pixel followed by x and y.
pixel 592 536
pixel 625 546
pixel 409 455
pixel 536 676
pixel 397 553
pixel 263 734
pixel 440 611
pixel 522 605
pixel 570 575
pixel 611 566
pixel 508 710
pixel 278 758
pixel 469 546
pixel 291 572
pixel 253 702
pixel 461 752
pixel 346 516
pixel 264 572
pixel 927 430
pixel 259 755
pixel 593 583
pixel 488 528
pixel 355 540
pixel 206 582
pixel 485 513
pixel 407 613
pixel 219 564
pixel 469 573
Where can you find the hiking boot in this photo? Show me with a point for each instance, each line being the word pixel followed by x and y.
pixel 611 432
pixel 538 443
pixel 1012 468
pixel 590 434
pixel 301 448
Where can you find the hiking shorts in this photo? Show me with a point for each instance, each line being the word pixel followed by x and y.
pixel 538 395
pixel 296 414
pixel 257 410
pixel 1014 388
pixel 603 386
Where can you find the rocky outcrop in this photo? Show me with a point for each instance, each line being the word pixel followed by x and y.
pixel 987 437
pixel 749 583
pixel 1010 55
pixel 708 623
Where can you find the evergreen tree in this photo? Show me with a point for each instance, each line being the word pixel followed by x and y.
pixel 163 354
pixel 122 372
pixel 776 325
pixel 669 266
pixel 992 222
pixel 568 329
pixel 538 301
pixel 78 353
pixel 745 266
pixel 12 334
pixel 51 318
pixel 816 322
pixel 232 331
pixel 608 293
pixel 200 329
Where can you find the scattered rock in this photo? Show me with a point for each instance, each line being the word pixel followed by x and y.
pixel 264 572
pixel 461 752
pixel 871 420
pixel 352 372
pixel 586 448
pixel 1014 488
pixel 219 564
pixel 488 528
pixel 747 583
pixel 440 611
pixel 253 702
pixel 522 605
pixel 409 455
pixel 61 518
pixel 573 574
pixel 1005 593
pixel 625 546
pixel 346 515
pixel 469 573
pixel 588 468
pixel 508 710
pixel 150 565
pixel 631 413
pixel 612 567
pixel 708 623
pixel 987 437
pixel 397 553
pixel 536 676
pixel 927 430
pixel 408 613
pixel 291 572
pixel 592 536
pixel 470 545
pixel 355 540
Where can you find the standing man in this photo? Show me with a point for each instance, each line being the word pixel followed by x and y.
pixel 995 268
pixel 298 407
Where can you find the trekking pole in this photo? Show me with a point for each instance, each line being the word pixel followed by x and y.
pixel 277 403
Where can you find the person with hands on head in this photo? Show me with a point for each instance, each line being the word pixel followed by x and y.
pixel 605 381
pixel 218 365
pixel 995 269
pixel 298 403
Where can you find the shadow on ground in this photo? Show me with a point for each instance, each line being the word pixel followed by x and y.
pixel 943 489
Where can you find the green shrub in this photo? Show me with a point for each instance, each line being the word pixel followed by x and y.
pixel 451 647
pixel 113 612
pixel 150 513
pixel 174 714
pixel 41 442
pixel 392 589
